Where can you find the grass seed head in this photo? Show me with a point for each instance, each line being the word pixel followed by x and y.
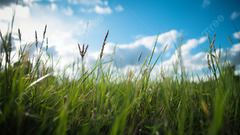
pixel 181 41
pixel 212 45
pixel 210 48
pixel 36 39
pixel 209 65
pixel 86 49
pixel 82 51
pixel 208 39
pixel 103 45
pixel 44 32
pixel 19 35
pixel 139 57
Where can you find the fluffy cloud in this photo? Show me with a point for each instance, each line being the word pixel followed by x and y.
pixel 233 54
pixel 97 6
pixel 68 11
pixel 206 3
pixel 7 12
pixel 198 61
pixel 102 10
pixel 191 44
pixel 236 35
pixel 119 8
pixel 53 0
pixel 4 3
pixel 97 9
pixel 191 62
pixel 7 2
pixel 60 32
pixel 235 15
pixel 86 2
pixel 149 41
pixel 62 40
pixel 53 7
pixel 127 54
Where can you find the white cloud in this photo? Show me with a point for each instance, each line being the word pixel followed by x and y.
pixel 86 2
pixel 233 54
pixel 30 2
pixel 191 44
pixel 68 11
pixel 102 10
pixel 236 35
pixel 168 37
pixel 53 0
pixel 97 9
pixel 138 36
pixel 119 8
pixel 60 32
pixel 127 54
pixel 86 10
pixel 235 15
pixel 6 3
pixel 237 72
pixel 149 41
pixel 191 62
pixel 53 7
pixel 198 61
pixel 105 3
pixel 206 3
pixel 7 12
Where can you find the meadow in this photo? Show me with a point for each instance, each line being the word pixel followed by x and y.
pixel 99 100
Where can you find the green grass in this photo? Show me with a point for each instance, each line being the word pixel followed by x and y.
pixel 102 101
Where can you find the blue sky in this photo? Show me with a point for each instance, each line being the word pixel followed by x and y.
pixel 134 26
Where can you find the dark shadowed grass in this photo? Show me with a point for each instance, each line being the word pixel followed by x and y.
pixel 99 101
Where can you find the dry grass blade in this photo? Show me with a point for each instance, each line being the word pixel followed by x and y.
pixel 163 76
pixel 165 48
pixel 199 80
pixel 103 45
pixel 38 80
pixel 230 40
pixel 139 57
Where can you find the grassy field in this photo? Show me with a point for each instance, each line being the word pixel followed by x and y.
pixel 33 100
